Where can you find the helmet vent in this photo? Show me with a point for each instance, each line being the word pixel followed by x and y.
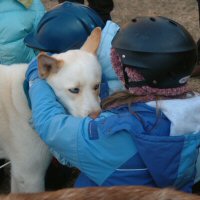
pixel 134 20
pixel 172 22
pixel 152 19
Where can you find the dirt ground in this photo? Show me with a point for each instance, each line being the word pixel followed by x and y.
pixel 184 12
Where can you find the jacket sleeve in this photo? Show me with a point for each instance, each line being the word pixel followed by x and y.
pixel 104 58
pixel 69 138
pixel 56 128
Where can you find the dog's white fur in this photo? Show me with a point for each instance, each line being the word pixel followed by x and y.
pixel 67 73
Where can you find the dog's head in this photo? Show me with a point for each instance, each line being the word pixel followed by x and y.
pixel 75 76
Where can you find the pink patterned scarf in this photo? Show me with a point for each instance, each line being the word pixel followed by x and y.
pixel 147 93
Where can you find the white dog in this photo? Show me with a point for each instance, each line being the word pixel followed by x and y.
pixel 75 77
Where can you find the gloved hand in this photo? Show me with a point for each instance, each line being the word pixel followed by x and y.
pixel 32 72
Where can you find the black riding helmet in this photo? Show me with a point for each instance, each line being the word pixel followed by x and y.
pixel 162 50
pixel 64 27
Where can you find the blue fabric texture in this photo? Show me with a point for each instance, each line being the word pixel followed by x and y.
pixel 117 148
pixel 84 181
pixel 32 71
pixel 104 88
pixel 173 166
pixel 18 21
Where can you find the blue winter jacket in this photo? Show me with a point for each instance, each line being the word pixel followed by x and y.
pixel 117 148
pixel 16 22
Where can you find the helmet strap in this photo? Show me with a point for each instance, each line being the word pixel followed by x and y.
pixel 137 84
pixel 125 77
pixel 132 83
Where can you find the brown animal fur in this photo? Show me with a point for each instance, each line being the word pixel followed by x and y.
pixel 106 193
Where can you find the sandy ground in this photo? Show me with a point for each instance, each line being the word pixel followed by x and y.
pixel 184 12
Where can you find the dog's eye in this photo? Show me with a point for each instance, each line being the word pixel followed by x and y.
pixel 96 87
pixel 74 90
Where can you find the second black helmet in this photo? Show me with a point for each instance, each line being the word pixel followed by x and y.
pixel 162 50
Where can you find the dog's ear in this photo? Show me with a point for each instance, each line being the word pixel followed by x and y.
pixel 48 64
pixel 92 43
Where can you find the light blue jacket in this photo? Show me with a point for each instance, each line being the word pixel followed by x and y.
pixel 16 21
pixel 104 58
